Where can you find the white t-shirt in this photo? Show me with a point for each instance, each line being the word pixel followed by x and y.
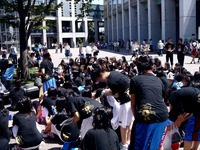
pixel 88 50
pixel 135 47
pixel 67 47
pixel 161 45
pixel 198 45
pixel 14 48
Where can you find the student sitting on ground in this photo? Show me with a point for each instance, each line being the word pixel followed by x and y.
pixel 102 136
pixel 16 93
pixel 25 129
pixel 4 130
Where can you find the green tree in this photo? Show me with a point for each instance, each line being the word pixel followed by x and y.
pixel 26 15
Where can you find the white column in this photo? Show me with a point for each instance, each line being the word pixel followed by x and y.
pixel 149 18
pixel 129 11
pixel 123 36
pixel 108 21
pixel 199 32
pixel 138 20
pixel 117 25
pixel 73 23
pixel 59 24
pixel 112 21
pixel 44 33
pixel 187 12
pixel 163 19
pixel 86 30
pixel 74 31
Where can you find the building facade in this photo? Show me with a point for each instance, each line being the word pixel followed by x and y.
pixel 64 26
pixel 151 19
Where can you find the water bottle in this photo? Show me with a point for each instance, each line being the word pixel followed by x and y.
pixel 53 110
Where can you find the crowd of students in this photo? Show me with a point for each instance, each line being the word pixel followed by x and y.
pixel 95 103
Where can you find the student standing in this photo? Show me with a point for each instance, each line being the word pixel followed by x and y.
pixel 46 71
pixel 149 109
pixel 169 47
pixel 183 103
pixel 119 88
pixel 180 49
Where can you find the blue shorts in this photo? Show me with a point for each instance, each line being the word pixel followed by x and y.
pixel 192 130
pixel 148 136
pixel 50 83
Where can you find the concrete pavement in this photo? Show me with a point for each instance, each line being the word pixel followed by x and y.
pixel 57 57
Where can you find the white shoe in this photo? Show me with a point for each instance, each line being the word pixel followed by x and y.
pixel 123 147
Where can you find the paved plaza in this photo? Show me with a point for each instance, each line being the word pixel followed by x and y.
pixel 57 57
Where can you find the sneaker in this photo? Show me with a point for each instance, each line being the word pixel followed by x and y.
pixel 123 147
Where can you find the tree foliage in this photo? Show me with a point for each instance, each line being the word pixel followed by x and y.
pixel 26 15
pixel 32 12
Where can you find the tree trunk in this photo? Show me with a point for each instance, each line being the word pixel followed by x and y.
pixel 23 50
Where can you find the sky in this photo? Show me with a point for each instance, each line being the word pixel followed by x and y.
pixel 100 2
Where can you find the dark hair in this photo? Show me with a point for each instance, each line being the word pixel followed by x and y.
pixel 160 72
pixel 52 92
pixel 98 92
pixel 2 108
pixel 1 105
pixel 70 94
pixel 197 76
pixel 87 92
pixel 4 55
pixel 96 72
pixel 18 83
pixel 178 78
pixel 24 105
pixel 196 84
pixel 102 118
pixel 167 64
pixel 60 104
pixel 144 63
pixel 46 55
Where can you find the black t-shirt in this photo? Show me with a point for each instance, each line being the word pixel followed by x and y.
pixel 119 83
pixel 48 67
pixel 78 81
pixel 169 46
pixel 4 130
pixel 148 90
pixel 28 132
pixel 77 104
pixel 185 100
pixel 166 85
pixel 3 64
pixel 48 103
pixel 180 49
pixel 16 94
pixel 58 119
pixel 100 139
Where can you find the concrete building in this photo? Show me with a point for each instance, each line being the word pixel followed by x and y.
pixel 151 19
pixel 64 26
